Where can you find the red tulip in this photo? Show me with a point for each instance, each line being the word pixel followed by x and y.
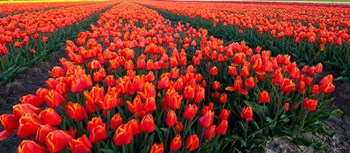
pixel 178 127
pixel 224 114
pixel 43 131
pixel 189 92
pixel 29 146
pixel 54 99
pixel 216 85
pixel 28 125
pixel 207 119
pixel 192 142
pixel 157 148
pixel 223 98
pixel 76 112
pixel 50 116
pixel 264 97
pixel 147 124
pixel 210 132
pixel 249 83
pixel 80 145
pixel 116 121
pixel 310 104
pixel 221 129
pixel 247 113
pixel 57 141
pixel 287 85
pixel 176 143
pixel 286 106
pixel 123 135
pixel 171 118
pixel 214 71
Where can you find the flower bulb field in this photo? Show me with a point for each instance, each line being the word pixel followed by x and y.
pixel 146 76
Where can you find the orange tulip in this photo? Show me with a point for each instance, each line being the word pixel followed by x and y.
pixel 116 121
pixel 28 125
pixel 43 131
pixel 287 85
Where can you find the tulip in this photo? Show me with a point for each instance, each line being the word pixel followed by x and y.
pixel 310 104
pixel 176 143
pixel 28 125
pixel 210 132
pixel 247 113
pixel 43 131
pixel 192 142
pixel 214 71
pixel 287 86
pixel 249 83
pixel 207 119
pixel 76 112
pixel 98 133
pixel 147 124
pixel 221 129
pixel 171 118
pixel 31 99
pixel 50 116
pixel 157 148
pixel 286 106
pixel 54 99
pixel 264 97
pixel 223 98
pixel 224 114
pixel 80 145
pixel 178 126
pixel 29 146
pixel 57 141
pixel 116 121
pixel 189 92
pixel 216 85
pixel 123 135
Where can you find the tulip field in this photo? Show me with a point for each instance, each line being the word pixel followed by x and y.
pixel 167 76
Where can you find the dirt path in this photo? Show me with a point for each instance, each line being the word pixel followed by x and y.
pixel 25 83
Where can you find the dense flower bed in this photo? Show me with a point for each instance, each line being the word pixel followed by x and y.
pixel 137 83
pixel 310 33
pixel 24 38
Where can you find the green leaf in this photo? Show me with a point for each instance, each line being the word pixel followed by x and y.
pixel 107 151
pixel 302 141
pixel 342 78
pixel 336 112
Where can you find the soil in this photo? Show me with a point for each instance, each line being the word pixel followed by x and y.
pixel 25 83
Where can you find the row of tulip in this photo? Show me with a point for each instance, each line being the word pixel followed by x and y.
pixel 309 33
pixel 15 8
pixel 135 83
pixel 27 38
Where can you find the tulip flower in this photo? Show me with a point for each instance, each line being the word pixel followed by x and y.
pixel 76 112
pixel 222 127
pixel 207 119
pixel 224 114
pixel 264 97
pixel 171 118
pixel 147 124
pixel 210 132
pixel 80 145
pixel 50 116
pixel 157 148
pixel 247 113
pixel 192 142
pixel 57 140
pixel 310 104
pixel 176 143
pixel 123 135
pixel 29 146
pixel 43 131
pixel 116 121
